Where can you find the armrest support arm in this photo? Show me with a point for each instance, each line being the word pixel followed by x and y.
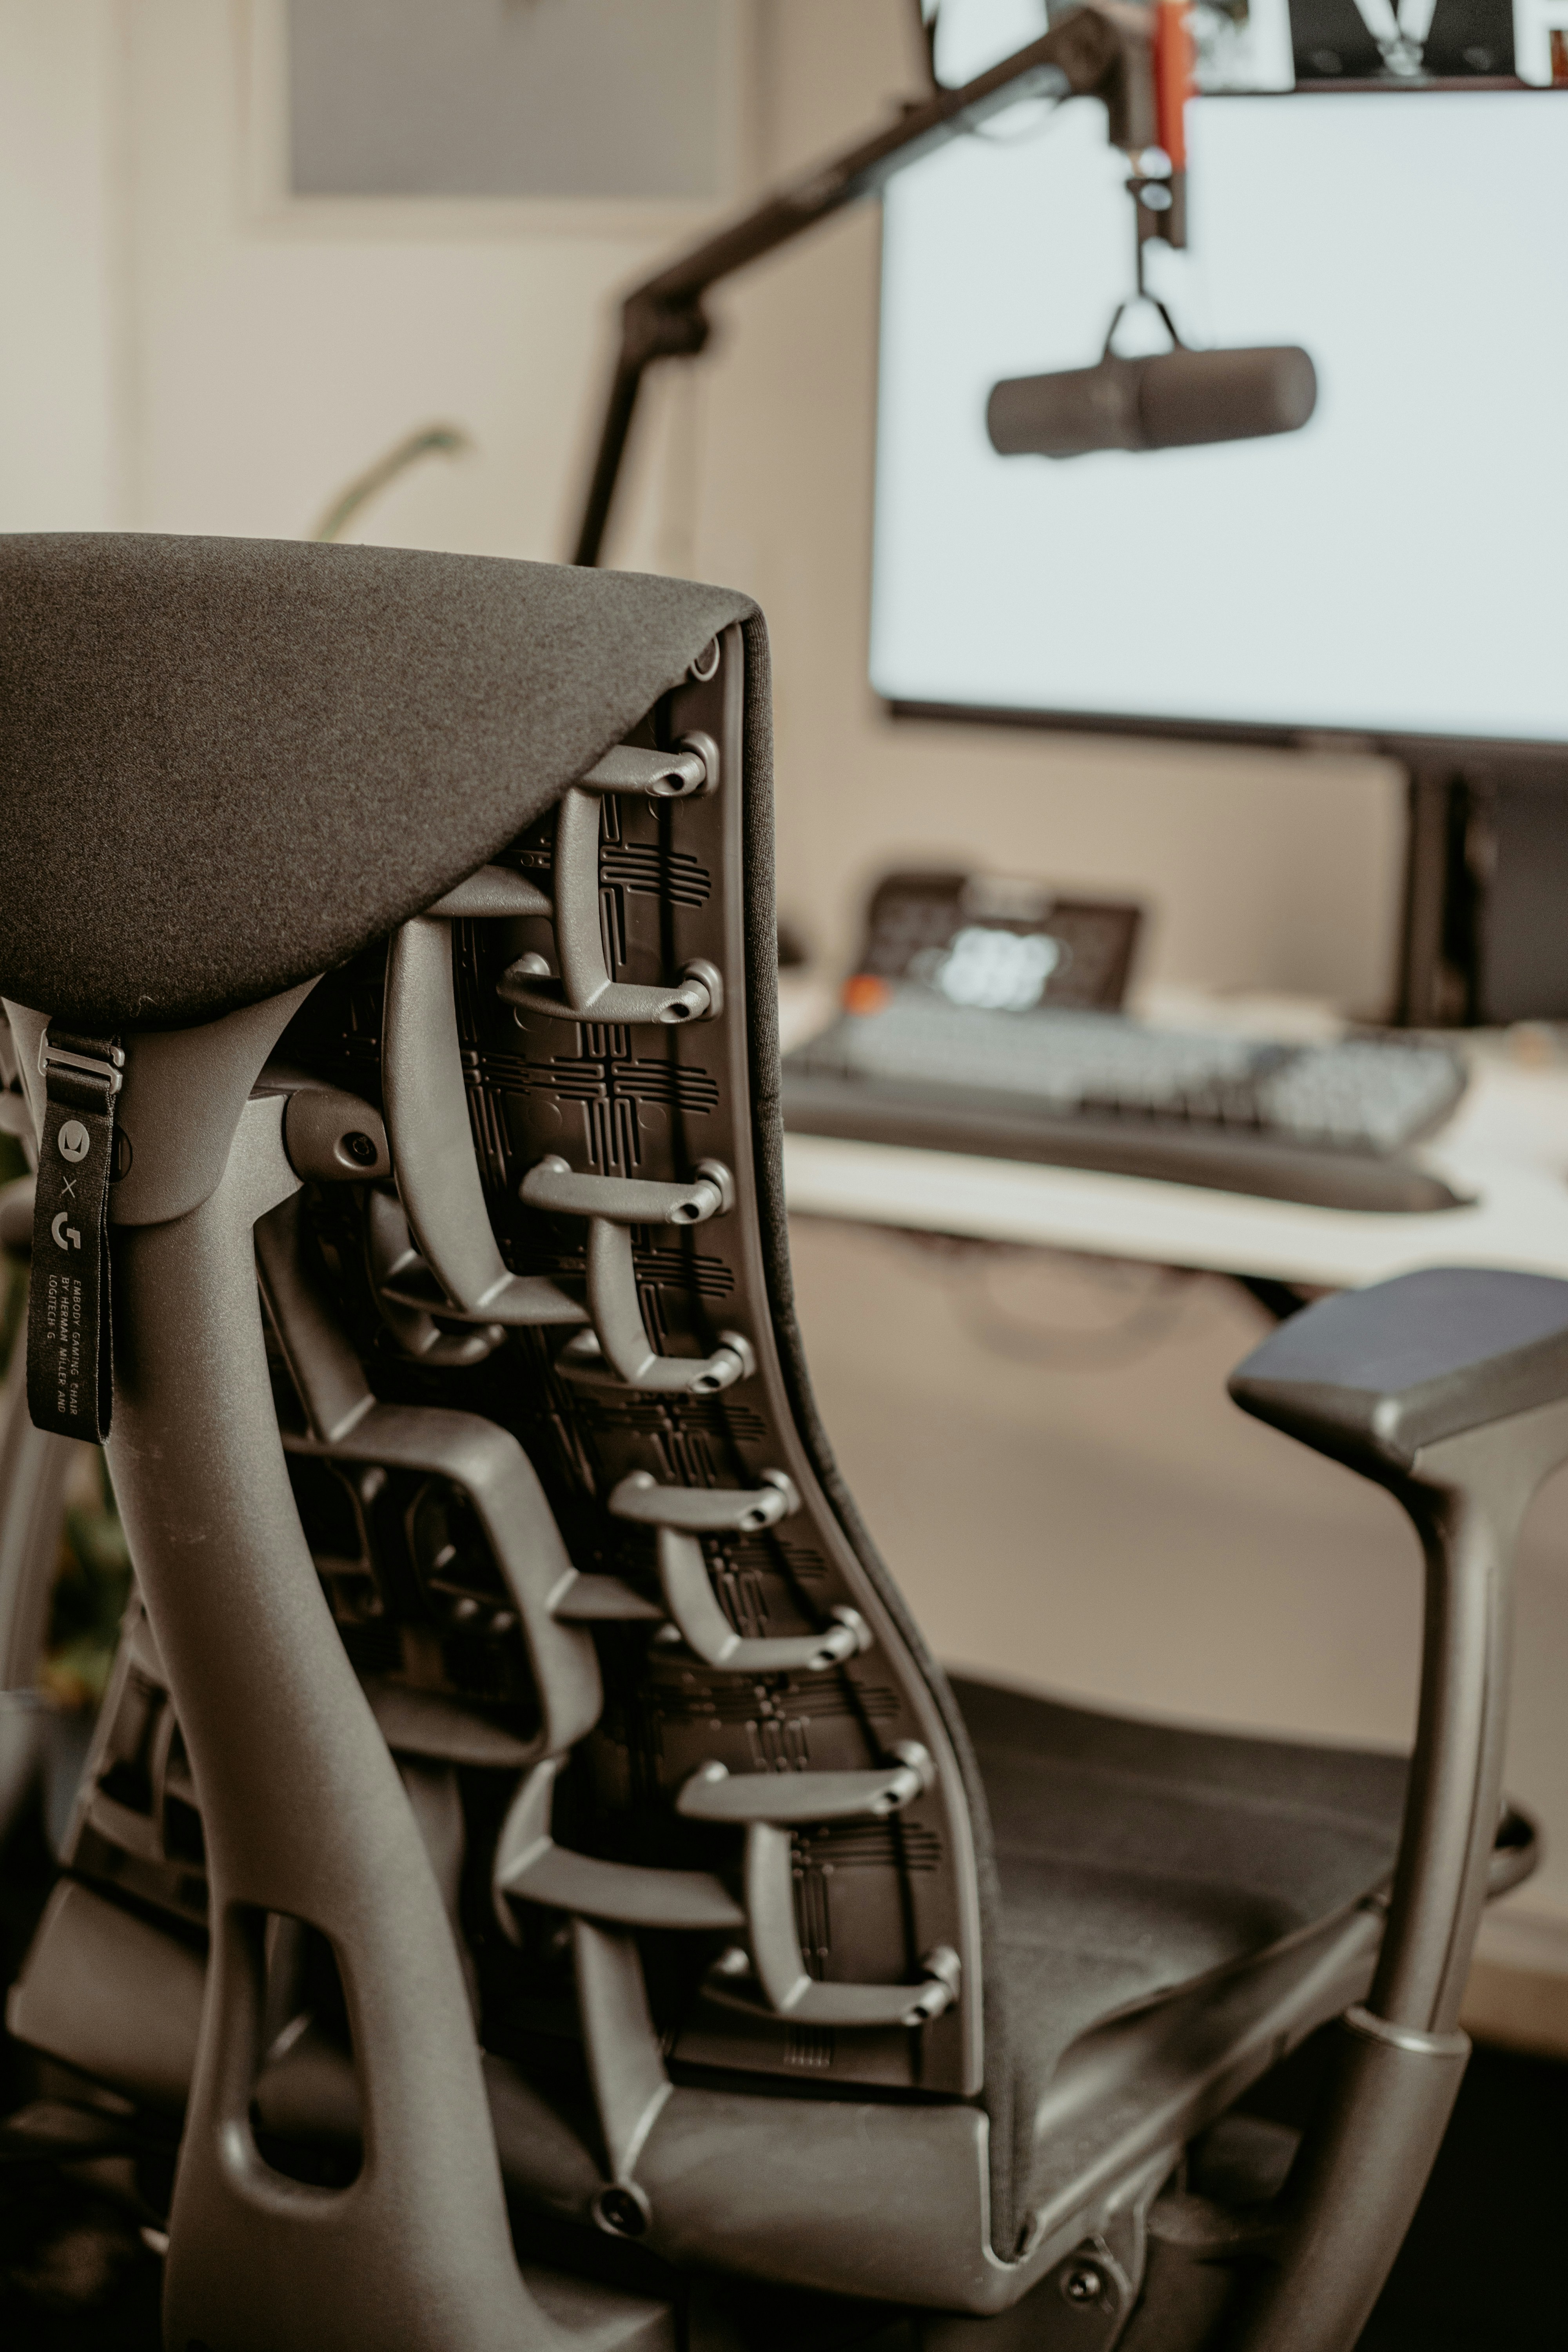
pixel 1450 1388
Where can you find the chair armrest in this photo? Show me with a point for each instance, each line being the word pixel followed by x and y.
pixel 1373 1376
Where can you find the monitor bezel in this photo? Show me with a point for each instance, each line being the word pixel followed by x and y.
pixel 1474 754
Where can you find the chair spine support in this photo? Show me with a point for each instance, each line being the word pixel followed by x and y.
pixel 618 1347
pixel 585 991
pixel 680 1514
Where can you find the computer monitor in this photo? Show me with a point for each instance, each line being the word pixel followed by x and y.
pixel 1396 572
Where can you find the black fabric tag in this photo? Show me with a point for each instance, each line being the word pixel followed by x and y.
pixel 70 1366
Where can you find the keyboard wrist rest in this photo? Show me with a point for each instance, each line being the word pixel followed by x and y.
pixel 937 1119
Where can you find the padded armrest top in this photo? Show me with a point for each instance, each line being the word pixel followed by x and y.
pixel 226 764
pixel 1370 1376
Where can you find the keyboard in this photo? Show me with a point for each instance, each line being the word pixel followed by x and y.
pixel 1326 1125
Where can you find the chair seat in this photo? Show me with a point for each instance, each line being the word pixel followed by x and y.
pixel 1136 1859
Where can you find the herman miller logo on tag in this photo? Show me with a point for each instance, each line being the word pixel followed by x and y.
pixel 73 1141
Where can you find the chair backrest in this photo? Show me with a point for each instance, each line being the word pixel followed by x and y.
pixel 681 1759
pixel 630 1158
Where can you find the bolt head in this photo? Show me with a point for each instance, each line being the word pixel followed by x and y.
pixel 1082 2284
pixel 621 2211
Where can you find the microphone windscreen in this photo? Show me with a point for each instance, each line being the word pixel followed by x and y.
pixel 1192 396
pixel 1066 414
pixel 1171 401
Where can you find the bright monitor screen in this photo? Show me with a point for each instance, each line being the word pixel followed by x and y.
pixel 1398 567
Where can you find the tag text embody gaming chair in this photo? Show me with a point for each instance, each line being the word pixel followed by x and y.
pixel 529 1866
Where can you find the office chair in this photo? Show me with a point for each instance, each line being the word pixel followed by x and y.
pixel 529 1866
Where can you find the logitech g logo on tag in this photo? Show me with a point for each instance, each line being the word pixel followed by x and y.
pixel 64 1236
pixel 74 1140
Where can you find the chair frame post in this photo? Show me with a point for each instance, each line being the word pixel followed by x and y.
pixel 304 1815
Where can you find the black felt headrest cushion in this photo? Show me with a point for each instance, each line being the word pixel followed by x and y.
pixel 226 764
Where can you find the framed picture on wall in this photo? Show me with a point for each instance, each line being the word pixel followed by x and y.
pixel 456 115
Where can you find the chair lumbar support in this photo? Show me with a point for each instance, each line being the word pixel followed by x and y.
pixel 1449 1388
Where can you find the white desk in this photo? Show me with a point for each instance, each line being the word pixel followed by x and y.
pixel 1507 1146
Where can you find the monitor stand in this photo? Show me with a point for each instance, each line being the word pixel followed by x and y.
pixel 1483 939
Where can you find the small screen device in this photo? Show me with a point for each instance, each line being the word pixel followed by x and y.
pixel 999 942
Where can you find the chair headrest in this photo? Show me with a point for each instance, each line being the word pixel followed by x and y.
pixel 227 765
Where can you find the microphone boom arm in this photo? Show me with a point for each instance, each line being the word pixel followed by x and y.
pixel 1105 50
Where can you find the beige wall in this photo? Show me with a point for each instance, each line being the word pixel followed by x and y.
pixel 61 429
pixel 185 351
pixel 280 348
pixel 185 355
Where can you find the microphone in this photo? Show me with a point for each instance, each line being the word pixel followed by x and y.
pixel 1175 400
